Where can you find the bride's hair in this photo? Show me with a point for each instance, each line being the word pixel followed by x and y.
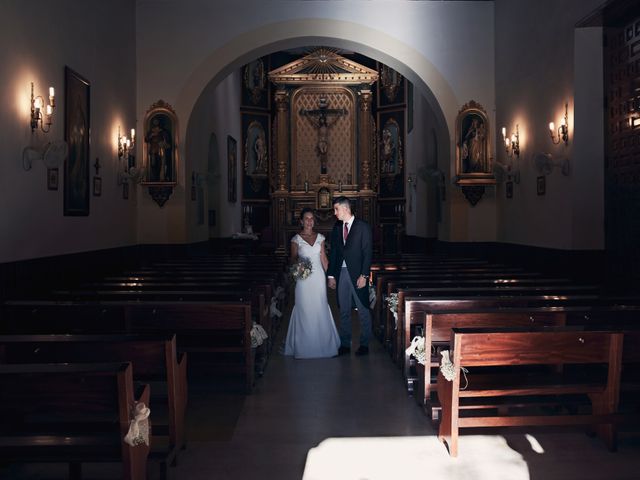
pixel 307 210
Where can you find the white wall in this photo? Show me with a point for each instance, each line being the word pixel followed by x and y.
pixel 204 41
pixel 38 38
pixel 542 61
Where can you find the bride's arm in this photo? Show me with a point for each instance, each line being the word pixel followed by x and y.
pixel 323 257
pixel 294 252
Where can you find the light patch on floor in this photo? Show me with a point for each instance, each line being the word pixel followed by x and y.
pixel 480 457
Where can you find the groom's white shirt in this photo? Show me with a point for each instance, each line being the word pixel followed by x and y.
pixel 348 223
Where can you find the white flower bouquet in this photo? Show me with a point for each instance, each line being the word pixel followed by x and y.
pixel 301 269
pixel 392 303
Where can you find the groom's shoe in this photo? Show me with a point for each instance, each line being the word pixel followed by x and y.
pixel 344 351
pixel 362 350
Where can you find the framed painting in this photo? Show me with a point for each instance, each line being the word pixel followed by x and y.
pixel 76 134
pixel 160 148
pixel 474 163
pixel 97 186
pixel 255 155
pixel 391 142
pixel 255 87
pixel 52 179
pixel 232 169
pixel 392 87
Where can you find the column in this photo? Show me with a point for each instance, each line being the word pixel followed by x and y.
pixel 365 136
pixel 282 138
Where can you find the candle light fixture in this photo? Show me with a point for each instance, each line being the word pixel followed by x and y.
pixel 38 118
pixel 563 129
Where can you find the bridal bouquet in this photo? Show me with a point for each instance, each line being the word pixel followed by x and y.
pixel 301 269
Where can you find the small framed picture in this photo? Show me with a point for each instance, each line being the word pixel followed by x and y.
pixel 52 178
pixel 541 185
pixel 97 186
pixel 509 189
pixel 125 191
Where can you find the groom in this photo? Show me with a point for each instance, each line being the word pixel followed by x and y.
pixel 351 251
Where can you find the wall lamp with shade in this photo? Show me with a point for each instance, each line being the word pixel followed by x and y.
pixel 38 118
pixel 126 151
pixel 563 129
pixel 511 144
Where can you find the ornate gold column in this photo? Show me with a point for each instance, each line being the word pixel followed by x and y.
pixel 365 131
pixel 282 137
pixel 279 203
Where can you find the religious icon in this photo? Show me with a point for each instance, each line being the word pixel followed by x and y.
pixel 323 118
pixel 255 147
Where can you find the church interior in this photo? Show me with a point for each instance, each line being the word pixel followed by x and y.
pixel 170 149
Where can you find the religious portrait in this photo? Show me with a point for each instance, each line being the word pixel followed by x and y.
pixel 256 154
pixel 255 85
pixel 76 134
pixel 255 147
pixel 473 136
pixel 391 87
pixel 390 151
pixel 160 143
pixel 232 169
pixel 391 146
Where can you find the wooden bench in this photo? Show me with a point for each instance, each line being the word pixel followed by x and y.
pixel 154 360
pixel 208 330
pixel 437 333
pixel 70 414
pixel 473 348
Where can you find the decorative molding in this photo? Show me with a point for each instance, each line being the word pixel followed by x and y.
pixel 323 65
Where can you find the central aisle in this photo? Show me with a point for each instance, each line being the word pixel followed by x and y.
pixel 296 405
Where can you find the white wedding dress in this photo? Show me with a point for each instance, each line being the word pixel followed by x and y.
pixel 312 332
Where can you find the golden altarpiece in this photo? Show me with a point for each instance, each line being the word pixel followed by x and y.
pixel 323 141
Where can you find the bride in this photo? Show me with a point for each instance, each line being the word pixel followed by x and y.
pixel 312 332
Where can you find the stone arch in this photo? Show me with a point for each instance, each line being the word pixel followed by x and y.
pixel 332 33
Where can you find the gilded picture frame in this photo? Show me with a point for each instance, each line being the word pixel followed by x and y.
pixel 232 169
pixel 474 163
pixel 77 116
pixel 160 144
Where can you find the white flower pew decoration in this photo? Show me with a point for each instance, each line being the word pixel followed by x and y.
pixel 449 370
pixel 416 349
pixel 138 433
pixel 258 335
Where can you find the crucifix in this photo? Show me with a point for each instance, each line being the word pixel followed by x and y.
pixel 319 117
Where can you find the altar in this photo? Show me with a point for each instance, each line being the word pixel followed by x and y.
pixel 324 137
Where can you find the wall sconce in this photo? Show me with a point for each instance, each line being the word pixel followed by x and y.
pixel 563 129
pixel 37 104
pixel 511 144
pixel 126 150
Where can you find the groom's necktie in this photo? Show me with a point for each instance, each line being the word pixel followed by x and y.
pixel 346 232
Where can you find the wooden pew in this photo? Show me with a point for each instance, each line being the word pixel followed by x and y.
pixel 73 414
pixel 437 333
pixel 473 348
pixel 209 330
pixel 575 307
pixel 154 360
pixel 547 295
pixel 488 281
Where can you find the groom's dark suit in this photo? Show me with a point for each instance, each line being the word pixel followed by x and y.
pixel 356 253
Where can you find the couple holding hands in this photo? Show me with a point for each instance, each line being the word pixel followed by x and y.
pixel 312 332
